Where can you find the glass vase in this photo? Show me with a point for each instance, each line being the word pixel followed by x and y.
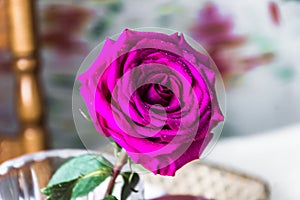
pixel 24 177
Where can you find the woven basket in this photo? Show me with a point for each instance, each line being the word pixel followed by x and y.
pixel 211 181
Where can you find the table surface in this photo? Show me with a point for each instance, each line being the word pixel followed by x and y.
pixel 272 156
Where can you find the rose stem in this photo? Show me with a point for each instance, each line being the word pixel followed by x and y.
pixel 116 171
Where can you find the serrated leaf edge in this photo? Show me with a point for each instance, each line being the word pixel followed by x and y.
pixel 103 171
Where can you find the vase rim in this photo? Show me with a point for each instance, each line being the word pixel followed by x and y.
pixel 39 156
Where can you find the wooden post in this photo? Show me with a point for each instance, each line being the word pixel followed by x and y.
pixel 24 46
pixel 3 25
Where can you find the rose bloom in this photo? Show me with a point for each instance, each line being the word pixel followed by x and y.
pixel 154 95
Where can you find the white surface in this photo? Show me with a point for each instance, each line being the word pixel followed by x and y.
pixel 153 191
pixel 272 156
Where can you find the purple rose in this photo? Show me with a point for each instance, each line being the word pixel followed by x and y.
pixel 154 95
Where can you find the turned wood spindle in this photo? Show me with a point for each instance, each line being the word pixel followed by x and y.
pixel 24 48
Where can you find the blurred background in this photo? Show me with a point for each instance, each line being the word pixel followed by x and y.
pixel 255 45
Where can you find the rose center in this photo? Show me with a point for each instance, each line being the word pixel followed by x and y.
pixel 155 94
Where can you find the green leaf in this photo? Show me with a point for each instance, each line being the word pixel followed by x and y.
pixel 78 166
pixel 130 181
pixel 77 177
pixel 61 191
pixel 88 183
pixel 78 187
pixel 110 197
